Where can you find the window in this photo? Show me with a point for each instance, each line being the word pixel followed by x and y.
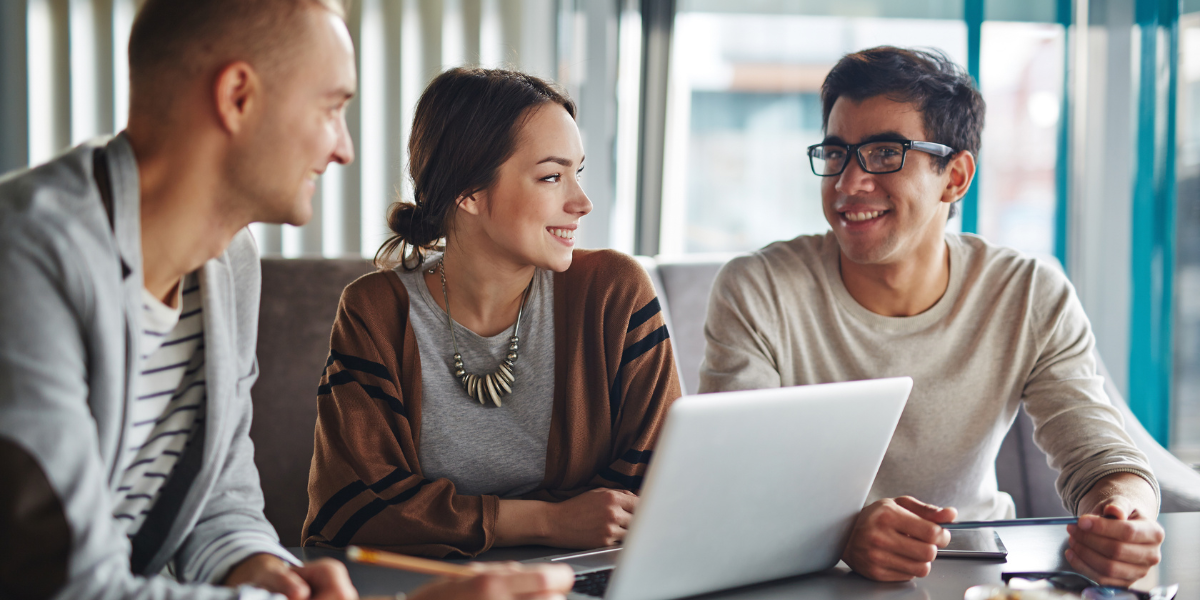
pixel 1185 438
pixel 744 105
pixel 1021 77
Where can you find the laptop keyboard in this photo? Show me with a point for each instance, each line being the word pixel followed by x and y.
pixel 592 584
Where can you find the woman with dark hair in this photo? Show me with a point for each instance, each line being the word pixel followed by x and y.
pixel 491 385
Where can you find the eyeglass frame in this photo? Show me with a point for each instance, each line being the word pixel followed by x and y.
pixel 1088 583
pixel 934 148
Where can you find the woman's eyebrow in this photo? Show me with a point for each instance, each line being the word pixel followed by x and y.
pixel 566 162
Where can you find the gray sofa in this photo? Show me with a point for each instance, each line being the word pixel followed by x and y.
pixel 299 301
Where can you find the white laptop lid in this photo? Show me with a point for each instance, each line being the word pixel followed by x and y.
pixel 751 486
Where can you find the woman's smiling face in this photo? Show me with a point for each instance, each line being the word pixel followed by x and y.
pixel 530 215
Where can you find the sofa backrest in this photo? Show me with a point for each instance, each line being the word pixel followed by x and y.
pixel 299 302
pixel 683 294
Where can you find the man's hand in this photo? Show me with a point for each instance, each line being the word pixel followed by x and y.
pixel 504 581
pixel 896 540
pixel 322 579
pixel 1117 539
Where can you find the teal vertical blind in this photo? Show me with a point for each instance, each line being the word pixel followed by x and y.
pixel 1153 234
pixel 973 15
pixel 1062 171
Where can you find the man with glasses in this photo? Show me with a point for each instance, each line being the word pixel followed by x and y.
pixel 979 328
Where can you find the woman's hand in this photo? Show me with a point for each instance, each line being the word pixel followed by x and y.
pixel 595 518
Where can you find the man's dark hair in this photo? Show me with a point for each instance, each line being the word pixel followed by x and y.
pixel 951 106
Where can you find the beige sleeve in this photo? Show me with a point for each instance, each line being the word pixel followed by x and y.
pixel 739 354
pixel 1075 423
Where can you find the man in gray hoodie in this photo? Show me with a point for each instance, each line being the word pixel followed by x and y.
pixel 128 317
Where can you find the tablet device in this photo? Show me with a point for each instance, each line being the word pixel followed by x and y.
pixel 974 543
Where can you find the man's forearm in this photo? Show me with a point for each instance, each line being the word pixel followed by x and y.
pixel 1134 491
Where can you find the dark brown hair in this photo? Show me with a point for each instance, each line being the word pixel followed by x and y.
pixel 951 106
pixel 173 40
pixel 465 127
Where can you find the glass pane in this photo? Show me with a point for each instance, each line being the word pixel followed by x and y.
pixel 744 105
pixel 907 9
pixel 1021 76
pixel 1185 402
pixel 1021 10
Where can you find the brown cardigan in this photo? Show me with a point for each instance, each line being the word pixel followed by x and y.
pixel 613 381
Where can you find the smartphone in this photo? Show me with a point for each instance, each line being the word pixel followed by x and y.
pixel 974 543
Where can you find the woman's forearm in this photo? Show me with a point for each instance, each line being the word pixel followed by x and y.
pixel 523 522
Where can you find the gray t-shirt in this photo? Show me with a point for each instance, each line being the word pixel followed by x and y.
pixel 481 448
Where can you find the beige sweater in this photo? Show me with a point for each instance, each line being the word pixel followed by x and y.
pixel 1009 329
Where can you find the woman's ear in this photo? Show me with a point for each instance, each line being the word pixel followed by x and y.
pixel 472 204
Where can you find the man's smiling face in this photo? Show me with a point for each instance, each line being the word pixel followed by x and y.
pixel 883 219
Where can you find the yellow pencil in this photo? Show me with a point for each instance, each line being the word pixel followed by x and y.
pixel 407 563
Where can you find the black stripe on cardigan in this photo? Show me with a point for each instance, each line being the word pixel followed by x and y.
pixel 634 456
pixel 368 512
pixel 643 314
pixel 374 391
pixel 642 346
pixel 334 504
pixel 350 492
pixel 355 363
pixel 630 354
pixel 632 483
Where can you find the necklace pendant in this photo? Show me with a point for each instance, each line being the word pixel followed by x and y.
pixel 488 388
pixel 497 384
pixel 492 389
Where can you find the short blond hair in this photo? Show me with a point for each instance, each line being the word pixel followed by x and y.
pixel 173 41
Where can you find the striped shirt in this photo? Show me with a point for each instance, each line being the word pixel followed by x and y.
pixel 169 400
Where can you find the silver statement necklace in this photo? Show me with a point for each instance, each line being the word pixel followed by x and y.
pixel 494 385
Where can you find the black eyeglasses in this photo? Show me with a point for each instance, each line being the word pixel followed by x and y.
pixel 876 158
pixel 1090 590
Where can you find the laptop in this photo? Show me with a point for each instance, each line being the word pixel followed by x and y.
pixel 747 487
